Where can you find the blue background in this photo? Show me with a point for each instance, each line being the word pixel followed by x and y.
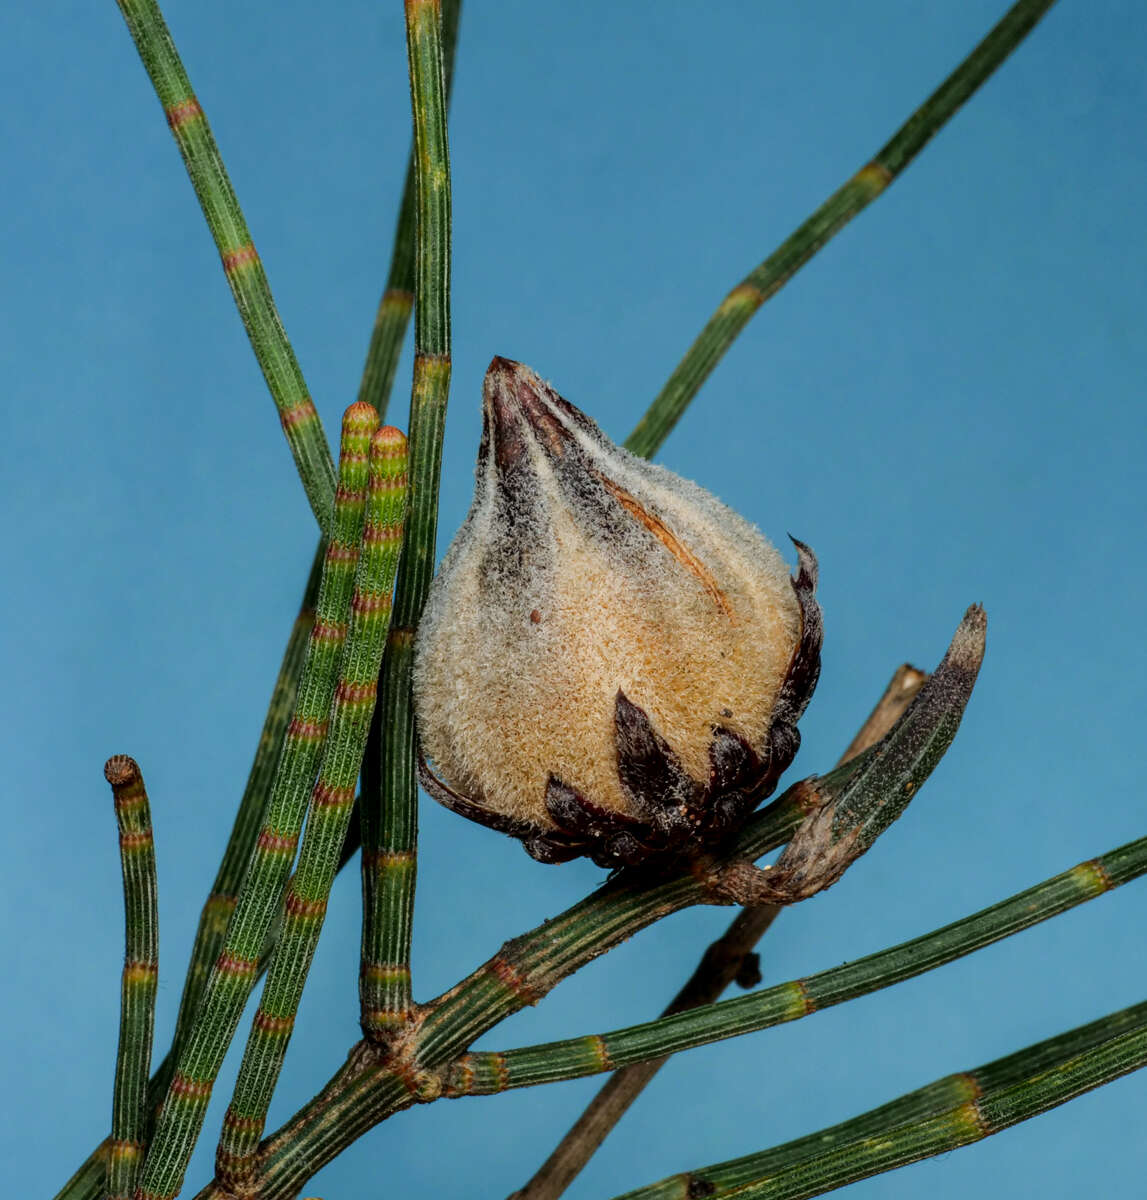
pixel 947 404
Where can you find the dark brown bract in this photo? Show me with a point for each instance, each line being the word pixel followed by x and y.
pixel 677 813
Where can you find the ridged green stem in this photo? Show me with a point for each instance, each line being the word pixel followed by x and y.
pixel 234 973
pixel 241 265
pixel 844 1153
pixel 390 822
pixel 140 976
pixel 526 968
pixel 397 301
pixel 394 308
pixel 572 1058
pixel 378 377
pixel 384 870
pixel 741 304
pixel 220 902
pixel 364 1091
pixel 88 1181
pixel 331 802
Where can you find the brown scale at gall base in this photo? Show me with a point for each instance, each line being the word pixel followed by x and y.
pixel 678 813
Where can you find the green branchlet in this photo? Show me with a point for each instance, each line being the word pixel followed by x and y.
pixel 241 265
pixel 140 976
pixel 389 810
pixel 388 807
pixel 220 902
pixel 937 1117
pixel 332 799
pixel 258 905
pixel 743 302
pixel 397 301
pixel 573 1058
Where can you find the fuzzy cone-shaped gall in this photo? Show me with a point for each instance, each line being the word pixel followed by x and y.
pixel 611 662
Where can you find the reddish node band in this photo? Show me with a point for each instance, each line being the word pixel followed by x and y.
pixel 356 693
pixel 331 797
pixel 271 842
pixel 190 1089
pixel 296 906
pixel 183 112
pixel 236 967
pixel 243 256
pixel 309 731
pixel 276 1026
pixel 303 411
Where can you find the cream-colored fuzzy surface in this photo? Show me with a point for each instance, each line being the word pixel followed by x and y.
pixel 627 577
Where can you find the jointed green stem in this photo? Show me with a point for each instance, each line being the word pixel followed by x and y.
pixel 389 861
pixel 140 975
pixel 221 900
pixel 844 1153
pixel 382 360
pixel 739 306
pixel 527 967
pixel 397 301
pixel 390 823
pixel 572 1058
pixel 520 973
pixel 88 1181
pixel 394 308
pixel 241 265
pixel 331 802
pixel 258 904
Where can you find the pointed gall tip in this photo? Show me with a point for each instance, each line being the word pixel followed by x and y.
pixel 504 379
pixel 508 382
pixel 515 400
pixel 500 413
